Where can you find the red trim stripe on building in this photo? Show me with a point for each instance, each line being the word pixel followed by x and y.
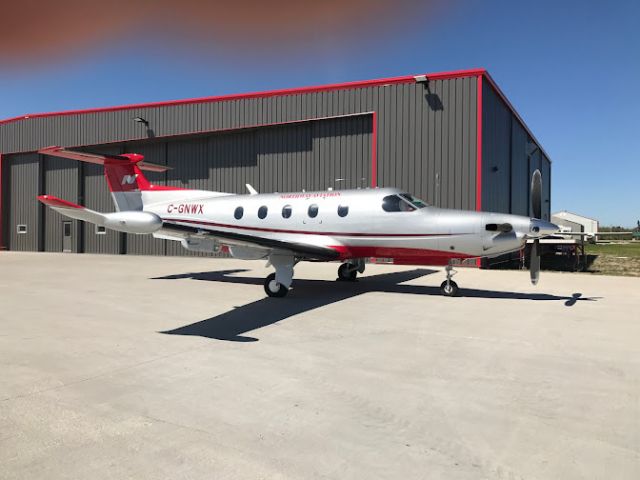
pixel 263 94
pixel 1 212
pixel 479 146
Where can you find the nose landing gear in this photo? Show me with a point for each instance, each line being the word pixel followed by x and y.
pixel 348 271
pixel 449 288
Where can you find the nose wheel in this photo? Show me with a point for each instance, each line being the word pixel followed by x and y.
pixel 449 288
pixel 347 272
pixel 273 288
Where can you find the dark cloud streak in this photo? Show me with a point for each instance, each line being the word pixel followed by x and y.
pixel 32 31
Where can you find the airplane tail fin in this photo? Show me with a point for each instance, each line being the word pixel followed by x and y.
pixel 123 173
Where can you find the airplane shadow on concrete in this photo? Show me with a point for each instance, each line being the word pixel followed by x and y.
pixel 311 294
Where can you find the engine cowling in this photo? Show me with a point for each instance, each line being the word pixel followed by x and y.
pixel 133 222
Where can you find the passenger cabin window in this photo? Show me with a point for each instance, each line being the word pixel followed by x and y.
pixel 262 212
pixel 313 210
pixel 238 213
pixel 286 211
pixel 343 210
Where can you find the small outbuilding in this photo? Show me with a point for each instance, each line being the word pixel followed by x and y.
pixel 577 223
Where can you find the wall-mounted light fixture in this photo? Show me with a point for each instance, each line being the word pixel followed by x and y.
pixel 421 79
pixel 141 120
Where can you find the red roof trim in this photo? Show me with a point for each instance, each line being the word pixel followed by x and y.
pixel 264 94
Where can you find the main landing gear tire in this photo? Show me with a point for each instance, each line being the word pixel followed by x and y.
pixel 347 272
pixel 449 289
pixel 273 288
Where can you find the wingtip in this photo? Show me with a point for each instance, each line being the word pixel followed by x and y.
pixel 57 202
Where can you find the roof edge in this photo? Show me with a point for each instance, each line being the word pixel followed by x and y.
pixel 262 94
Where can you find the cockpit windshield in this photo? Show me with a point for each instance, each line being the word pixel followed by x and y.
pixel 403 202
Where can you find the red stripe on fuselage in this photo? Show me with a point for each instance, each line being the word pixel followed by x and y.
pixel 307 232
pixel 405 256
pixel 401 256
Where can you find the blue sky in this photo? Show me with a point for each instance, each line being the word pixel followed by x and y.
pixel 570 68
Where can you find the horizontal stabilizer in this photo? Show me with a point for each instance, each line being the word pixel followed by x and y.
pixel 101 159
pixel 72 210
pixel 129 221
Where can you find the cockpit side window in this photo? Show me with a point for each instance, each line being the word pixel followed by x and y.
pixel 416 202
pixel 395 203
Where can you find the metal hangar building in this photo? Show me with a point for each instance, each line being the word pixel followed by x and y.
pixel 450 138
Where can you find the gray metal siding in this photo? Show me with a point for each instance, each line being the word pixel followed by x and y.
pixel 496 152
pixel 421 133
pixel 509 158
pixel 519 170
pixel 24 208
pixel 426 144
pixel 546 188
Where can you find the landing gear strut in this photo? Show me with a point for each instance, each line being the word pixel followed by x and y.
pixel 277 284
pixel 348 271
pixel 449 288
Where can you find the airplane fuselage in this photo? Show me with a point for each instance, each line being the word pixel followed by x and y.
pixel 354 223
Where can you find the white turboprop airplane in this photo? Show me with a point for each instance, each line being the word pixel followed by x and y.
pixel 285 228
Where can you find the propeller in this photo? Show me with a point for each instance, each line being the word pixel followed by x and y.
pixel 534 262
pixel 536 208
pixel 536 194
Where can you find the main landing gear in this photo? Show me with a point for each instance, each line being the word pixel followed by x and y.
pixel 273 288
pixel 348 271
pixel 449 288
pixel 277 284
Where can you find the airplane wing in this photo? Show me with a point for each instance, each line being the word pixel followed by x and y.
pixel 231 238
pixel 72 210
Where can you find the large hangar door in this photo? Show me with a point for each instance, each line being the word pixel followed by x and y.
pixel 313 155
pixel 24 208
pixel 60 180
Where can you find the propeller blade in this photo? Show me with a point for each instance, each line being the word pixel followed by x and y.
pixel 536 194
pixel 534 262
